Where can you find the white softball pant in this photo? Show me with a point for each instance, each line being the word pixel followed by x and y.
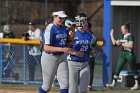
pixel 54 65
pixel 79 76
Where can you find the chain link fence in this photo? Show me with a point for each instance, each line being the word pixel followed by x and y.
pixel 16 65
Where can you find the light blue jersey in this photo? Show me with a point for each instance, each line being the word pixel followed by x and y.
pixel 82 42
pixel 55 36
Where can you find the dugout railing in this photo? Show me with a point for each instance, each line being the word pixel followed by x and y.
pixel 14 61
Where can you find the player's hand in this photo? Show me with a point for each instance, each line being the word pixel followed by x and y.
pixel 79 53
pixel 67 50
pixel 23 38
pixel 118 42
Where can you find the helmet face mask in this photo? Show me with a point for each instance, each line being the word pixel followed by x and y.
pixel 80 21
pixel 69 22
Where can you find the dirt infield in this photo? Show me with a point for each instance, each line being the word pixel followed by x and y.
pixel 18 91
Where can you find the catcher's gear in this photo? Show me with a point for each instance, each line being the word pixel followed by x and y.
pixel 70 24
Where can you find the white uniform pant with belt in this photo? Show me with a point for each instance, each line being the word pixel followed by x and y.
pixel 79 76
pixel 54 65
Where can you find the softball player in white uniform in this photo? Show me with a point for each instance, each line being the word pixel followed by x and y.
pixel 53 59
pixel 79 73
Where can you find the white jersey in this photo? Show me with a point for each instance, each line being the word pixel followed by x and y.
pixel 36 35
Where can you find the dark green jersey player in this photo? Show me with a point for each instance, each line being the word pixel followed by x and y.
pixel 126 42
pixel 125 39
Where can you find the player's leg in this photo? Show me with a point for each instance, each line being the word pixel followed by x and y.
pixel 49 65
pixel 131 61
pixel 121 62
pixel 62 74
pixel 74 75
pixel 84 78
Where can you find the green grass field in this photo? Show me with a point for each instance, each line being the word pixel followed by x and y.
pixel 56 89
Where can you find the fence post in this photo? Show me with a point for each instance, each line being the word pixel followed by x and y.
pixel 106 47
pixel 24 60
pixel 0 62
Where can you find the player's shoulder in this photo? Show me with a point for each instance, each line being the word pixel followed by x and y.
pixel 130 35
pixel 89 33
pixel 49 27
pixel 38 30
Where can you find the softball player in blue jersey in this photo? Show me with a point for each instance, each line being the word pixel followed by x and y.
pixel 53 59
pixel 79 73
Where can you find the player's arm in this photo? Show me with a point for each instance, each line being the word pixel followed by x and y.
pixel 128 44
pixel 49 48
pixel 77 53
pixel 114 41
pixel 112 37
